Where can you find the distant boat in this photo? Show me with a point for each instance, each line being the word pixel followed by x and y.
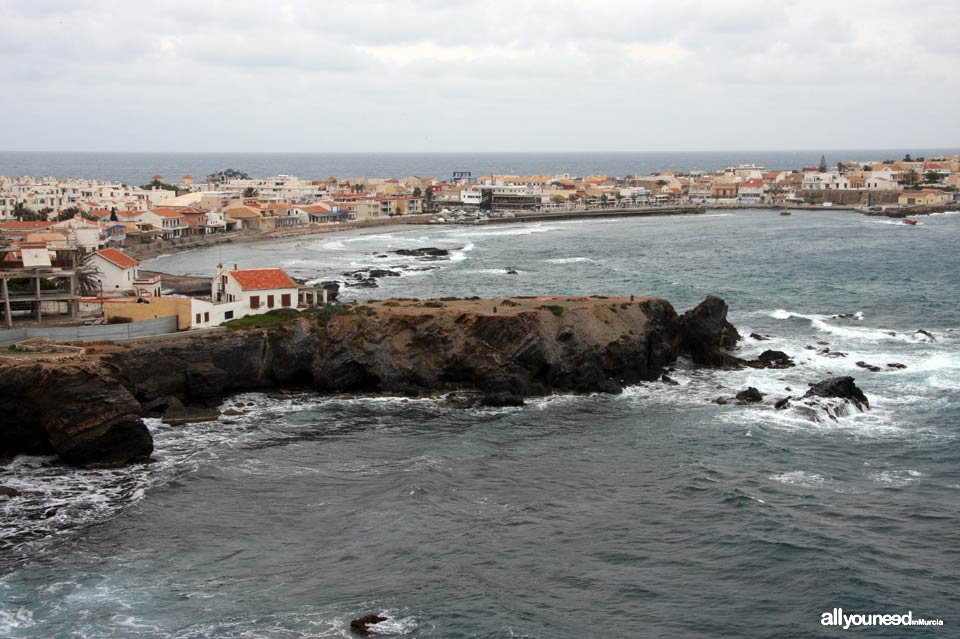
pixel 785 213
pixel 910 222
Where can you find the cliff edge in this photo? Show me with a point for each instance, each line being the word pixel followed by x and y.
pixel 89 411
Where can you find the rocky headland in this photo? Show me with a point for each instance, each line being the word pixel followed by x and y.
pixel 90 410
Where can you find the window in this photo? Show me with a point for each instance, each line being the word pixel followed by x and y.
pixel 269 301
pixel 198 319
pixel 285 300
pixel 228 315
pixel 206 317
pixel 254 301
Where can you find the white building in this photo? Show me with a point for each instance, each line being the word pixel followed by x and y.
pixel 118 271
pixel 830 181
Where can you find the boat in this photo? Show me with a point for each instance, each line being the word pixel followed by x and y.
pixel 910 222
pixel 785 213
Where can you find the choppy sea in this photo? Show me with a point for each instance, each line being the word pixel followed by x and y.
pixel 655 513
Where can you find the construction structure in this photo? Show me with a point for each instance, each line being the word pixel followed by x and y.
pixel 38 279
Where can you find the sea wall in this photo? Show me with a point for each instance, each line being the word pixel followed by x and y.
pixel 84 411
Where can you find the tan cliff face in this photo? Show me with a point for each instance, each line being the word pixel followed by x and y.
pixel 529 346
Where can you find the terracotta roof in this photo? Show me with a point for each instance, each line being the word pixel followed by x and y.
pixel 256 279
pixel 25 226
pixel 164 212
pixel 117 257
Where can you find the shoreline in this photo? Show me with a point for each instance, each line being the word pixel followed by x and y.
pixel 324 229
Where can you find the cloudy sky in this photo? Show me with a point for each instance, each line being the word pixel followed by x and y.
pixel 486 75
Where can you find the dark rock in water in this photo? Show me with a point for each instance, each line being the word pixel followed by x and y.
pixel 423 252
pixel 363 283
pixel 823 343
pixel 669 380
pixel 759 337
pixel 783 403
pixel 381 255
pixel 771 359
pixel 511 271
pixel 834 354
pixel 810 348
pixel 896 365
pixel 842 387
pixel 502 399
pixel 869 367
pixel 925 336
pixel 610 386
pixel 723 401
pixel 362 625
pixel 177 414
pixel 381 272
pixel 6 491
pixel 706 334
pixel 750 394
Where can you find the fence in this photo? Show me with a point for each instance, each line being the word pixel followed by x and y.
pixel 158 326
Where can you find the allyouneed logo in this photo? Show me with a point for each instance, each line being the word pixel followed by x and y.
pixel 837 618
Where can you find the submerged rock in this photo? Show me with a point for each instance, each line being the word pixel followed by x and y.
pixel 842 387
pixel 869 367
pixel 423 252
pixel 771 359
pixel 362 625
pixel 750 394
pixel 502 399
pixel 6 491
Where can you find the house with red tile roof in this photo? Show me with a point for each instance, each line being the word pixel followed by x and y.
pixel 117 272
pixel 253 291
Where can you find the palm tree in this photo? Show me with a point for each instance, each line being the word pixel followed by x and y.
pixel 250 192
pixel 88 276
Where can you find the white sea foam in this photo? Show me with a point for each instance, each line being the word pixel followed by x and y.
pixel 460 255
pixel 570 260
pixel 518 230
pixel 14 621
pixel 896 478
pixel 800 478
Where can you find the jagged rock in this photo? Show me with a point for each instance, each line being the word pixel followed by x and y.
pixel 77 409
pixel 897 365
pixel 423 252
pixel 723 401
pixel 759 337
pixel 89 411
pixel 382 272
pixel 783 403
pixel 177 414
pixel 6 491
pixel 842 387
pixel 362 625
pixel 502 399
pixel 706 334
pixel 750 394
pixel 771 359
pixel 869 367
pixel 511 271
pixel 669 380
pixel 924 336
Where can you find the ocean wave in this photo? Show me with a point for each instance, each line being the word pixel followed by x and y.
pixel 896 478
pixel 459 255
pixel 800 478
pixel 570 260
pixel 521 230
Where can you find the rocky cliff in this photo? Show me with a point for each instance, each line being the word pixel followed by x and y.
pixel 90 411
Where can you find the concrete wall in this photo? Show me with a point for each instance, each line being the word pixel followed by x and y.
pixel 158 326
pixel 158 307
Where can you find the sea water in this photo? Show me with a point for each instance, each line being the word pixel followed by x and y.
pixel 656 512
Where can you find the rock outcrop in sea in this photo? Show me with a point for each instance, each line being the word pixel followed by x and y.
pixel 90 411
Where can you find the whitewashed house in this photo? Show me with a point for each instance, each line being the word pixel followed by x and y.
pixel 118 271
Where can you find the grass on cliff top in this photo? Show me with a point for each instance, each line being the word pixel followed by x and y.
pixel 280 316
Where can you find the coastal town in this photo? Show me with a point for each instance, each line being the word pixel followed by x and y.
pixel 70 247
